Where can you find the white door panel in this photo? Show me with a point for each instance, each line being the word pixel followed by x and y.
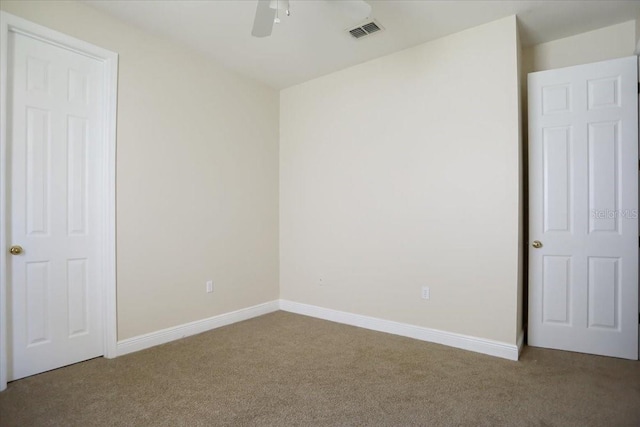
pixel 583 142
pixel 56 118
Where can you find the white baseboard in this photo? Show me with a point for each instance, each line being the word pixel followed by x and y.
pixel 163 336
pixel 479 345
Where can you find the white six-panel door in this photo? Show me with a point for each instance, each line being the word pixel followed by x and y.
pixel 583 227
pixel 56 118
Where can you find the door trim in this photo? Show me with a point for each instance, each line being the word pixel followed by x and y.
pixel 107 182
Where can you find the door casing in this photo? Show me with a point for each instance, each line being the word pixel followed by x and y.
pixel 10 23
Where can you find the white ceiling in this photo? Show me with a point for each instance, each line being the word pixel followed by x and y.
pixel 313 41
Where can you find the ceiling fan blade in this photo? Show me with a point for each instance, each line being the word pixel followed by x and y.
pixel 354 9
pixel 263 22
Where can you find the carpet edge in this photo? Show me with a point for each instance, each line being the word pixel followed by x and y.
pixel 451 339
pixel 163 336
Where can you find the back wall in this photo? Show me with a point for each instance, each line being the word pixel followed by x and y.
pixel 402 172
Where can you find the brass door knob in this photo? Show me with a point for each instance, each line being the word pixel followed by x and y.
pixel 16 250
pixel 537 244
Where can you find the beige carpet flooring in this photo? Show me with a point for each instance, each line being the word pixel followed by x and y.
pixel 284 369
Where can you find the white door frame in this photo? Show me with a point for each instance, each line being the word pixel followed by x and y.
pixel 107 182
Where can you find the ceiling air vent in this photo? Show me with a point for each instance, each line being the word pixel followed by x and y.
pixel 365 29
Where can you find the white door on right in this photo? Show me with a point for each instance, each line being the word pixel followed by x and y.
pixel 583 208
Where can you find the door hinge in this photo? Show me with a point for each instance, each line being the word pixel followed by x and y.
pixel 638 87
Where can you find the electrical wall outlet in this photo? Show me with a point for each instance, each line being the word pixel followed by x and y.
pixel 426 293
pixel 209 286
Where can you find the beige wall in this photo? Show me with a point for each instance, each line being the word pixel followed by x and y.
pixel 197 175
pixel 637 35
pixel 402 172
pixel 615 41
